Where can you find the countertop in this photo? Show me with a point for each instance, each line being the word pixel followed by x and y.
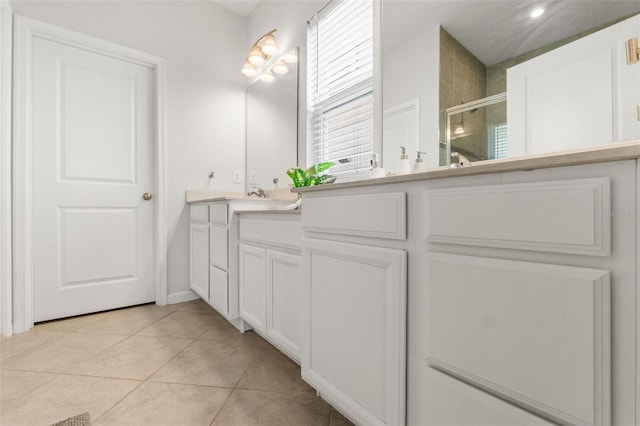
pixel 599 154
pixel 282 195
pixel 298 211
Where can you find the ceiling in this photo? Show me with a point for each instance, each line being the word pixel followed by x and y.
pixel 498 30
pixel 241 7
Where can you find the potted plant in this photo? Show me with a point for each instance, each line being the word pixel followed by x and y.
pixel 310 177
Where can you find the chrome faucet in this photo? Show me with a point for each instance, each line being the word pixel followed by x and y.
pixel 256 190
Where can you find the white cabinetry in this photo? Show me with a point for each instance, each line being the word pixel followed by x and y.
pixel 270 280
pixel 199 251
pixel 355 305
pixel 214 252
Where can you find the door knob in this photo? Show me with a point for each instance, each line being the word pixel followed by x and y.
pixel 147 196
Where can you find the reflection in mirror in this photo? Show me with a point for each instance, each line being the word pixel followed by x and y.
pixel 472 45
pixel 272 129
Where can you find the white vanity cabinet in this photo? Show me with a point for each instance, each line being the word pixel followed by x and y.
pixel 270 277
pixel 199 250
pixel 213 264
pixel 355 304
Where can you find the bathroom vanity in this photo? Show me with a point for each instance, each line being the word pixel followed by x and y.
pixel 519 282
pixel 213 247
pixel 504 293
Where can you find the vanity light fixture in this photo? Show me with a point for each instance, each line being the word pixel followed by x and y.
pixel 249 69
pixel 537 12
pixel 267 77
pixel 280 68
pixel 263 49
pixel 291 57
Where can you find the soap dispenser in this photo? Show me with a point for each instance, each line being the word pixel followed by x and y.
pixel 404 165
pixel 419 164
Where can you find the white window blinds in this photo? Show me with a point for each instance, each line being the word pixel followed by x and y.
pixel 498 141
pixel 340 87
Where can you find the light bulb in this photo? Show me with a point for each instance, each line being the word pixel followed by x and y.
pixel 249 69
pixel 255 56
pixel 459 130
pixel 267 77
pixel 269 46
pixel 537 12
pixel 291 57
pixel 280 68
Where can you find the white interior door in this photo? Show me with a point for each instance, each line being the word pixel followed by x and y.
pixel 401 127
pixel 579 95
pixel 92 132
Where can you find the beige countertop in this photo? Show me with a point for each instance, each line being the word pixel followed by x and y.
pixel 600 154
pixel 298 211
pixel 280 195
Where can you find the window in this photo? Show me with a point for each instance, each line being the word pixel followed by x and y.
pixel 340 87
pixel 497 141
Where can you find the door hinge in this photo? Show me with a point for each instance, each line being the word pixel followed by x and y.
pixel 633 52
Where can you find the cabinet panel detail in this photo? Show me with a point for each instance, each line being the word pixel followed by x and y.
pixel 355 317
pixel 273 231
pixel 219 290
pixel 199 213
pixel 284 284
pixel 451 402
pixel 218 243
pixel 537 334
pixel 370 215
pixel 218 213
pixel 253 286
pixel 566 216
pixel 199 259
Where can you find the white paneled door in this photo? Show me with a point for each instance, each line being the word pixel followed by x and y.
pixel 577 96
pixel 92 125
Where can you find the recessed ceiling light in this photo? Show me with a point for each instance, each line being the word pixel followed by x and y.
pixel 537 12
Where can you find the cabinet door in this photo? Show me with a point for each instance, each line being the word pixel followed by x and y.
pixel 283 301
pixel 219 243
pixel 354 307
pixel 219 290
pixel 199 259
pixel 253 286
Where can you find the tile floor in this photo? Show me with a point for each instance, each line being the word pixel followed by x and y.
pixel 153 365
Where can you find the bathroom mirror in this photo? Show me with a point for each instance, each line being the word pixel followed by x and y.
pixel 478 41
pixel 272 130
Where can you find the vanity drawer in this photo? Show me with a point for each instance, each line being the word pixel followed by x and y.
pixel 218 213
pixel 451 402
pixel 284 232
pixel 218 246
pixel 199 213
pixel 370 215
pixel 564 216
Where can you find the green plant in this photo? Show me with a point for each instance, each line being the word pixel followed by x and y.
pixel 311 176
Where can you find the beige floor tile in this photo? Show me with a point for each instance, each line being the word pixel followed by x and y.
pixel 208 363
pixel 126 321
pixel 338 419
pixel 221 330
pixel 180 324
pixel 197 305
pixel 136 357
pixel 64 397
pixel 73 323
pixel 15 384
pixel 251 407
pixel 19 343
pixel 167 404
pixel 272 370
pixel 68 349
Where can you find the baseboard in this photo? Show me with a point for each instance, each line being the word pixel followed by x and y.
pixel 181 296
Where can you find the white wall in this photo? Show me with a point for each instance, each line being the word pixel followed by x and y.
pixel 290 19
pixel 5 170
pixel 204 47
pixel 412 70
